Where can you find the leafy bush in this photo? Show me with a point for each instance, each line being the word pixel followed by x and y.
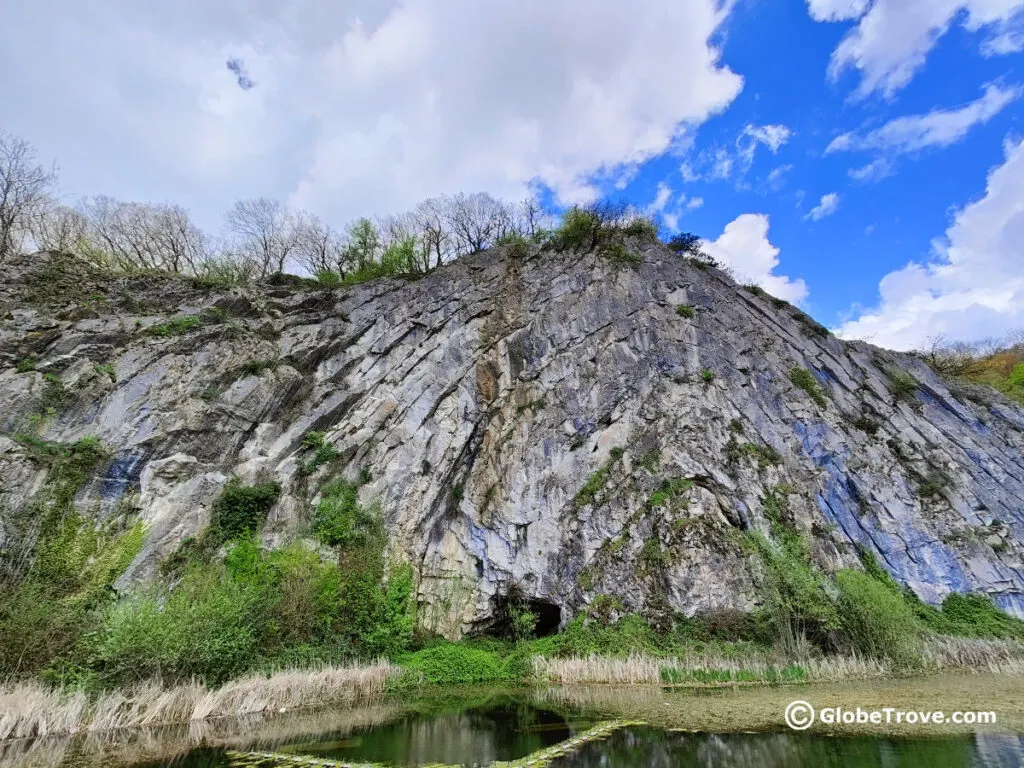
pixel 241 510
pixel 804 379
pixel 707 375
pixel 877 620
pixel 687 311
pixel 340 520
pixel 455 664
pixel 323 452
pixel 26 365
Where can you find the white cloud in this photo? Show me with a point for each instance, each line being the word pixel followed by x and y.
pixel 661 198
pixel 938 128
pixel 671 214
pixel 973 288
pixel 836 10
pixel 826 207
pixel 687 172
pixel 744 247
pixel 359 107
pixel 873 171
pixel 892 39
pixel 772 136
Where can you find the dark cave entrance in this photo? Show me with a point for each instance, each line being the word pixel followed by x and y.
pixel 509 613
pixel 549 617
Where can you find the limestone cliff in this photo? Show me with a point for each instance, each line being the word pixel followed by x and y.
pixel 559 423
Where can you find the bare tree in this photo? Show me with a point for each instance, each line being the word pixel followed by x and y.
pixel 61 229
pixel 266 233
pixel 318 247
pixel 143 236
pixel 435 235
pixel 25 188
pixel 180 244
pixel 475 220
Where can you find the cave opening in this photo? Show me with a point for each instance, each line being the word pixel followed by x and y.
pixel 512 617
pixel 549 617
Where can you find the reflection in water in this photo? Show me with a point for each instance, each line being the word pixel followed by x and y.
pixel 652 748
pixel 476 736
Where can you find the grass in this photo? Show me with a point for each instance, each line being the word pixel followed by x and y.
pixel 176 326
pixel 588 494
pixel 35 710
pixel 902 385
pixel 687 311
pixel 805 380
pixel 707 375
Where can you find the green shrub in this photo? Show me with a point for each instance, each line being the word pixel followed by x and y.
pixel 26 365
pixel 877 620
pixel 207 628
pixel 804 379
pixel 324 452
pixel 707 375
pixel 974 615
pixel 455 664
pixel 340 520
pixel 687 311
pixel 328 278
pixel 241 510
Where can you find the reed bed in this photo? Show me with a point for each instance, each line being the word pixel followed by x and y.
pixel 971 654
pixel 703 669
pixel 31 710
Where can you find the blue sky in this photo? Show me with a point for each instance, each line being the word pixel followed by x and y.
pixel 861 157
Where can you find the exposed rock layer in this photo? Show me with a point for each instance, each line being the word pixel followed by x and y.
pixel 487 401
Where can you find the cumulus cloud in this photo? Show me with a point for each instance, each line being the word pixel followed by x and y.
pixel 893 38
pixel 836 10
pixel 825 207
pixel 744 247
pixel 362 107
pixel 972 288
pixel 938 128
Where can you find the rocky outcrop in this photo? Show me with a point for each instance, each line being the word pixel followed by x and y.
pixel 554 422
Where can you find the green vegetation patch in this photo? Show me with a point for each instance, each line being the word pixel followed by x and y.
pixel 176 326
pixel 588 494
pixel 319 452
pixel 805 380
pixel 902 384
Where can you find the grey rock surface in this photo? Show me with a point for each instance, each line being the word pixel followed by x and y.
pixel 487 401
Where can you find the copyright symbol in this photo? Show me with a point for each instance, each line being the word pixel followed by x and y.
pixel 799 715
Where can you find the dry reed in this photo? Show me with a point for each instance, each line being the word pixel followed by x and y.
pixel 31 710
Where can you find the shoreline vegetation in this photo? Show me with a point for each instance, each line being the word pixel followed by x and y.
pixel 34 710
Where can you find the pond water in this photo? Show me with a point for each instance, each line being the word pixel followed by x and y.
pixel 733 728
